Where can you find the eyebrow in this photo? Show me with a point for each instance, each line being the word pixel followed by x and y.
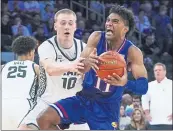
pixel 113 19
pixel 68 20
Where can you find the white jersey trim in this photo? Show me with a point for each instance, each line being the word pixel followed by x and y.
pixel 57 109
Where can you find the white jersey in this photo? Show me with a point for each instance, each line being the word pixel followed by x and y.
pixel 69 83
pixel 54 88
pixel 19 85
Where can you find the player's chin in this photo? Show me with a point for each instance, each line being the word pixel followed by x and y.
pixel 109 37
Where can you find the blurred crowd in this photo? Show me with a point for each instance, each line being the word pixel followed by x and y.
pixel 153 33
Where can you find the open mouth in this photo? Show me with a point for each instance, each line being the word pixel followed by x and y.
pixel 67 33
pixel 109 32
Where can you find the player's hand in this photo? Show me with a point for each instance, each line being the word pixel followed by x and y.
pixel 91 61
pixel 148 117
pixel 170 117
pixel 117 80
pixel 77 65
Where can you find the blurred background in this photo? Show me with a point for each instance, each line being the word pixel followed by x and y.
pixel 153 33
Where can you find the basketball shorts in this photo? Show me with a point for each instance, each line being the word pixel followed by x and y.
pixel 78 110
pixel 41 106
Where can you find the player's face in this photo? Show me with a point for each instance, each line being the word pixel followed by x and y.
pixel 115 27
pixel 137 116
pixel 65 25
pixel 159 72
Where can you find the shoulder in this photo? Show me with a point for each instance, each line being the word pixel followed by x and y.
pixel 169 81
pixel 151 85
pixel 46 44
pixel 94 38
pixel 96 34
pixel 133 48
pixel 79 41
pixel 134 51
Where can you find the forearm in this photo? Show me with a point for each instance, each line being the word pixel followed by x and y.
pixel 54 69
pixel 138 86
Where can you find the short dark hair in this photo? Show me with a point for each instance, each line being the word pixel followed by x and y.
pixel 23 45
pixel 126 15
pixel 136 97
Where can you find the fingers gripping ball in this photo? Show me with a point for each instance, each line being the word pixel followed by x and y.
pixel 111 62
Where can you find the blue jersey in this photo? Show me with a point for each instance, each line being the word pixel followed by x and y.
pixel 92 81
pixel 98 103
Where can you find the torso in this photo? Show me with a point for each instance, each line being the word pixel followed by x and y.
pixel 69 83
pixel 92 81
pixel 19 85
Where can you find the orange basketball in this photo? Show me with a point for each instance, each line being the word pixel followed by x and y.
pixel 111 62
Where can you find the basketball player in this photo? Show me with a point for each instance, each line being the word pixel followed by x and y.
pixel 59 62
pixel 19 83
pixel 100 109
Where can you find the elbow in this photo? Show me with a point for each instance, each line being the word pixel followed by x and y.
pixel 145 89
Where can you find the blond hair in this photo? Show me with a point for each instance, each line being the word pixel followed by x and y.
pixel 142 121
pixel 64 11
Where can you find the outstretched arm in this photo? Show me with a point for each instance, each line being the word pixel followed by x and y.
pixel 47 56
pixel 90 52
pixel 140 85
pixel 52 68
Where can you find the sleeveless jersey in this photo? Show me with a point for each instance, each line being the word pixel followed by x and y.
pixel 93 85
pixel 69 83
pixel 19 87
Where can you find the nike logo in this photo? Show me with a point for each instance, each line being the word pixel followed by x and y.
pixel 61 60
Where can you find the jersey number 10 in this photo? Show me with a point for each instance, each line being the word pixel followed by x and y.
pixel 69 83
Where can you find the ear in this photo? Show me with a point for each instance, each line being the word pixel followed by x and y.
pixel 126 29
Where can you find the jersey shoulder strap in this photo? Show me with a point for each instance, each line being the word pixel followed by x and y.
pixel 53 47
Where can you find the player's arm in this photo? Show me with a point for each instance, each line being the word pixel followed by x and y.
pixel 90 52
pixel 52 68
pixel 47 60
pixel 140 84
pixel 36 68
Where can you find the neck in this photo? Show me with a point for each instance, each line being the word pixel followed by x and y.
pixel 65 43
pixel 115 44
pixel 137 124
pixel 22 58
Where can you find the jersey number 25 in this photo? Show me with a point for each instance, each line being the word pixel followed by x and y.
pixel 16 71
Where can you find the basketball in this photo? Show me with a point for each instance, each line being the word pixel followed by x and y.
pixel 111 62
